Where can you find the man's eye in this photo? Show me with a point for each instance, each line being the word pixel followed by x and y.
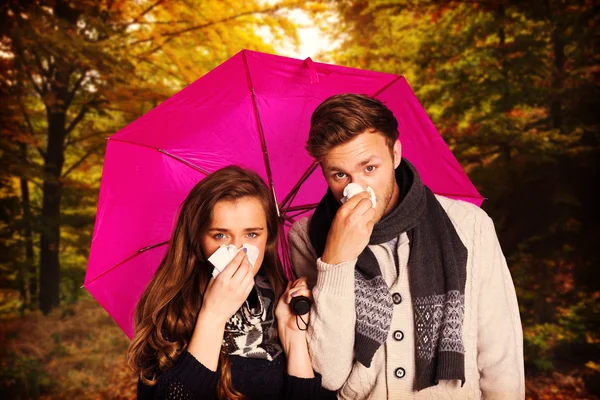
pixel 340 175
pixel 370 168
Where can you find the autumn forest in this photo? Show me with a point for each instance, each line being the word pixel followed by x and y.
pixel 512 86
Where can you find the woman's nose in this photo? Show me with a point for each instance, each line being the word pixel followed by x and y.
pixel 237 242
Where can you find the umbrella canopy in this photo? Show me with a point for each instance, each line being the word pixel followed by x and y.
pixel 254 111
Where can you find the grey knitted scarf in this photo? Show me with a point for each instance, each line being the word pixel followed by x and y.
pixel 437 273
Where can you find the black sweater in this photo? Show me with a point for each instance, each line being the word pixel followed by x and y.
pixel 255 378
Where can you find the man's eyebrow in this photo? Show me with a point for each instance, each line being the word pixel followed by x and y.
pixel 368 161
pixel 363 163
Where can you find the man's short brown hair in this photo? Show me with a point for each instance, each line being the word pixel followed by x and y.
pixel 342 117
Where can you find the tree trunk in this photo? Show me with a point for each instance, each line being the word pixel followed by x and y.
pixel 52 190
pixel 57 100
pixel 29 289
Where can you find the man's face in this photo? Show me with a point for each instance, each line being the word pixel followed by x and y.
pixel 365 160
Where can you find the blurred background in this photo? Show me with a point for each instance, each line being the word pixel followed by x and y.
pixel 512 87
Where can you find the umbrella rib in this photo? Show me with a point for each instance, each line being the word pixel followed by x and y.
pixel 304 207
pixel 292 194
pixel 181 160
pixel 387 85
pixel 293 216
pixel 468 196
pixel 261 133
pixel 140 251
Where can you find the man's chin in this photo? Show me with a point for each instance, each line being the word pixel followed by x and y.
pixel 378 216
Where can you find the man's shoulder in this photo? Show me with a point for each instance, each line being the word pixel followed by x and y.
pixel 465 216
pixel 301 250
pixel 300 227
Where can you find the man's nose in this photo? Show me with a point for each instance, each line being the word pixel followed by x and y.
pixel 358 180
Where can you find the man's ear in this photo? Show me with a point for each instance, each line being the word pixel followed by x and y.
pixel 397 153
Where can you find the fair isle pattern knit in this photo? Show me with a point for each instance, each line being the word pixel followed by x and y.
pixel 251 332
pixel 374 303
pixel 430 322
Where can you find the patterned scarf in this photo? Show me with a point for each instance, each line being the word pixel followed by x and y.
pixel 251 332
pixel 437 273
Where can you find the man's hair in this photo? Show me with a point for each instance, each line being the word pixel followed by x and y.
pixel 342 117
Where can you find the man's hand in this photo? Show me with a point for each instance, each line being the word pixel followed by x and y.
pixel 350 231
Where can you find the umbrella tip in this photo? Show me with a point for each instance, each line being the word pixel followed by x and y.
pixel 314 75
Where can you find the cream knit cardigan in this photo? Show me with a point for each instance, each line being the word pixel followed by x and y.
pixel 492 333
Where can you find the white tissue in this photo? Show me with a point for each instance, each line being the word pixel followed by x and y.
pixel 225 253
pixel 354 188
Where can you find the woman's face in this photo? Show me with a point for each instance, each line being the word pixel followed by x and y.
pixel 237 222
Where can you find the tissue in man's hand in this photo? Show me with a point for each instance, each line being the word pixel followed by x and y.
pixel 225 253
pixel 354 188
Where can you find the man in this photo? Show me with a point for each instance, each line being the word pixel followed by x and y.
pixel 412 295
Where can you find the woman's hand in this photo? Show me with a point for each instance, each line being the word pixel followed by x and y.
pixel 223 297
pixel 226 293
pixel 293 339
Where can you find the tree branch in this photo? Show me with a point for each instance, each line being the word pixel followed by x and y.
pixel 161 68
pixel 75 88
pixel 38 62
pixel 207 24
pixel 433 3
pixel 78 163
pixel 160 46
pixel 27 120
pixel 28 73
pixel 84 138
pixel 146 11
pixel 30 125
pixel 180 21
pixel 39 91
pixel 84 110
pixel 42 153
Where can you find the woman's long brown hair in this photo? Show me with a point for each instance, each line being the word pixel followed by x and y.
pixel 166 314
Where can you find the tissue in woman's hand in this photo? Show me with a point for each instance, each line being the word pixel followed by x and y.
pixel 225 254
pixel 354 188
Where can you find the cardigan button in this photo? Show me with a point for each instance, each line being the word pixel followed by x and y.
pixel 398 335
pixel 400 373
pixel 397 298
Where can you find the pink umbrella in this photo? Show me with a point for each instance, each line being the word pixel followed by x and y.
pixel 253 110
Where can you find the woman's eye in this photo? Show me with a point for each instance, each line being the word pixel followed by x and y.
pixel 252 235
pixel 219 236
pixel 370 168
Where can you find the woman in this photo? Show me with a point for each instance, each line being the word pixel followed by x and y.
pixel 229 337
